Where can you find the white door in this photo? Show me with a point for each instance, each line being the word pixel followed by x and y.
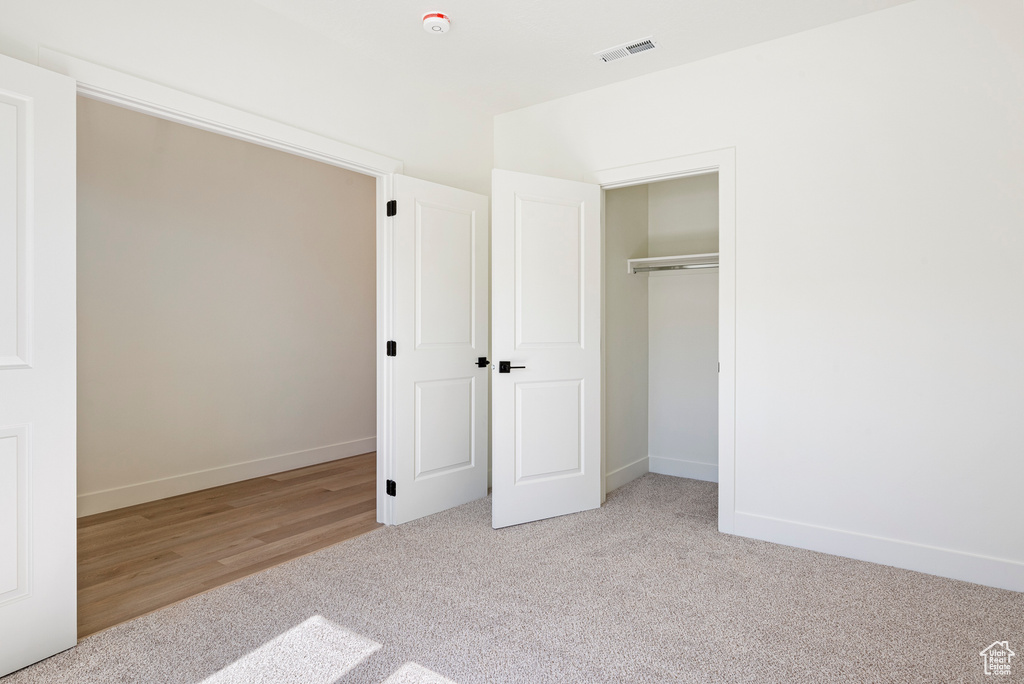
pixel 439 388
pixel 546 308
pixel 37 364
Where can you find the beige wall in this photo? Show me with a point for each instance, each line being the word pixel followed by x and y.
pixel 625 336
pixel 226 309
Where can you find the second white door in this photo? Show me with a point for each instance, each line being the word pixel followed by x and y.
pixel 546 299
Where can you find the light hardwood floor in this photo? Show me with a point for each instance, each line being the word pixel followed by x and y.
pixel 135 560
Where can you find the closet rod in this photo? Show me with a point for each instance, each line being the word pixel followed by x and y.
pixel 675 267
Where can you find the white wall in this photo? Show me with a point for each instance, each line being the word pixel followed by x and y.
pixel 240 54
pixel 683 330
pixel 226 308
pixel 625 345
pixel 880 237
pixel 683 215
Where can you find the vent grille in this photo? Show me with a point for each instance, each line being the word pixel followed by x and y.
pixel 626 49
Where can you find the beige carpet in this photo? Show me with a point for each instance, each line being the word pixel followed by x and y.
pixel 643 590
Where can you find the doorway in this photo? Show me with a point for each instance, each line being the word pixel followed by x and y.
pixel 661 329
pixel 227 316
pixel 568 440
pixel 722 163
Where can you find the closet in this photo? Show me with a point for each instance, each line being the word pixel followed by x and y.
pixel 661 334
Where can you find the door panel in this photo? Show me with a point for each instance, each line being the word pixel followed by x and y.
pixel 13 520
pixel 444 269
pixel 548 273
pixel 37 364
pixel 440 327
pixel 548 448
pixel 444 426
pixel 15 156
pixel 546 298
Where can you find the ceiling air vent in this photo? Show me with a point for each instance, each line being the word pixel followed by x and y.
pixel 626 49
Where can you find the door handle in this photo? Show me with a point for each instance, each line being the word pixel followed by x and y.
pixel 482 362
pixel 506 366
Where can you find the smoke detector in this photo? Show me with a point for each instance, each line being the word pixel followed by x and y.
pixel 626 49
pixel 435 22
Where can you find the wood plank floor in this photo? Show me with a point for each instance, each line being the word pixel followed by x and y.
pixel 135 560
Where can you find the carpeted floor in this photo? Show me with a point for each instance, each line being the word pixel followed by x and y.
pixel 643 590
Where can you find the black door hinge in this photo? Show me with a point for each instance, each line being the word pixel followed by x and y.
pixel 392 207
pixel 392 348
pixel 391 488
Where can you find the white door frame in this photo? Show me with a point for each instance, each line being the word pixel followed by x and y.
pixel 722 162
pixel 114 87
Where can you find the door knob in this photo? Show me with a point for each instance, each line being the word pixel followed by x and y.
pixel 506 366
pixel 482 362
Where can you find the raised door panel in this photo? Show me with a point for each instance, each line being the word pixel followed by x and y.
pixel 545 448
pixel 445 427
pixel 15 155
pixel 13 513
pixel 445 273
pixel 549 272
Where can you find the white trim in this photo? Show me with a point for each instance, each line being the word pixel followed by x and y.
pixel 969 567
pixel 661 169
pixel 723 162
pixel 106 85
pixel 627 473
pixel 385 307
pixel 677 467
pixel 605 485
pixel 129 495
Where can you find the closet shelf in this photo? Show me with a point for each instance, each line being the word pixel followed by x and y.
pixel 672 263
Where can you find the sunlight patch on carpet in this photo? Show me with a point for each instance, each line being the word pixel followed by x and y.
pixel 316 651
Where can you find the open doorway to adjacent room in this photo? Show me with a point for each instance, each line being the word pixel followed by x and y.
pixel 227 318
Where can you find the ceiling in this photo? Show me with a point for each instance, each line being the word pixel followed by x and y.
pixel 501 56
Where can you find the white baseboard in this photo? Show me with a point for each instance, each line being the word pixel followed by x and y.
pixel 129 495
pixel 986 570
pixel 680 468
pixel 626 473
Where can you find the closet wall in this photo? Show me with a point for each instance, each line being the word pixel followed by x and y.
pixel 683 330
pixel 661 337
pixel 625 344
